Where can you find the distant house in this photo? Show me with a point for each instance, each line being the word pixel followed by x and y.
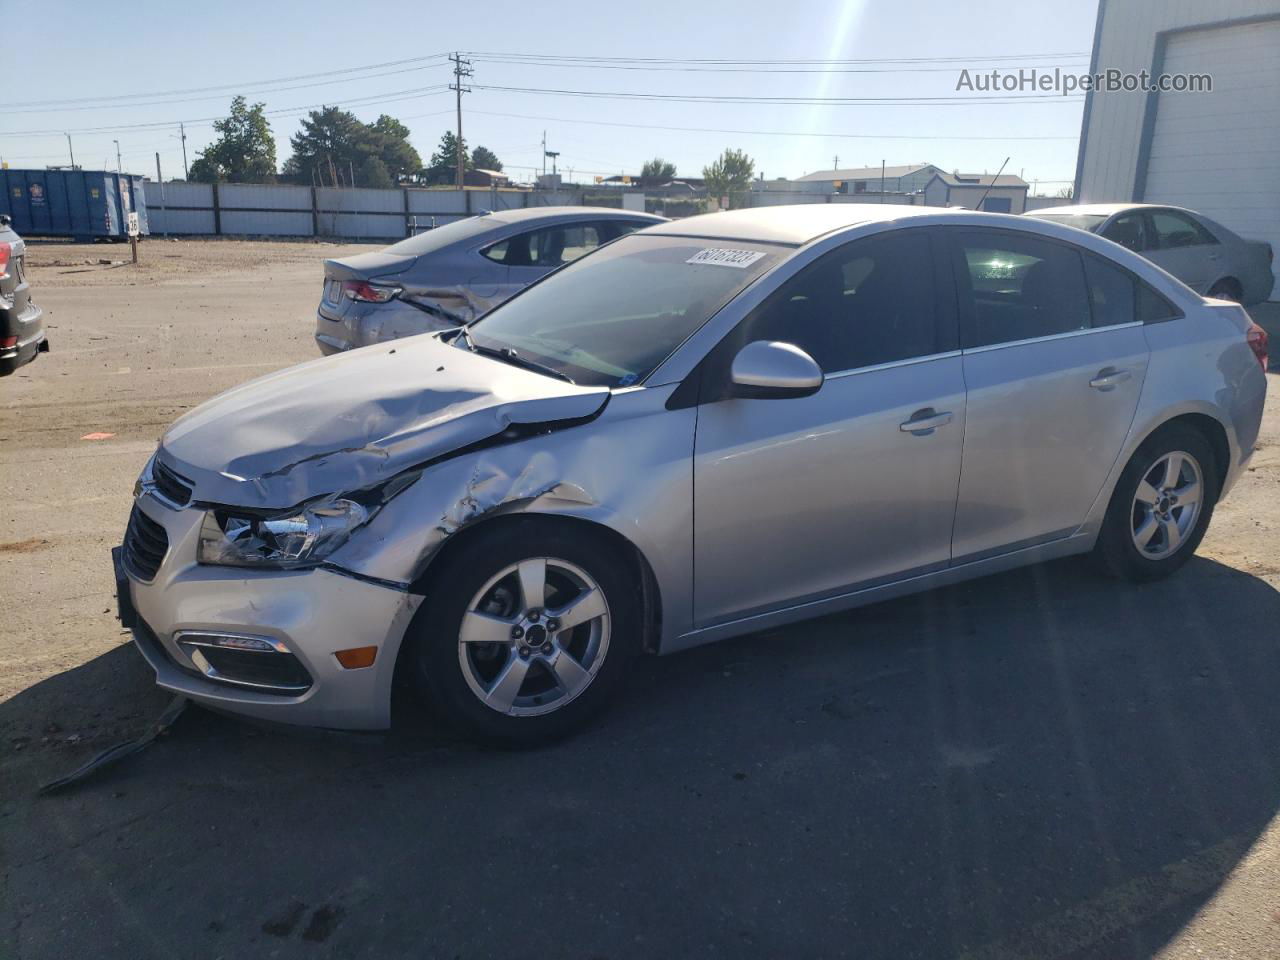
pixel 485 178
pixel 908 178
pixel 1006 193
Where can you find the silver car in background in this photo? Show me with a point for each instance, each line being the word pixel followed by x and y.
pixel 1200 252
pixel 708 428
pixel 454 273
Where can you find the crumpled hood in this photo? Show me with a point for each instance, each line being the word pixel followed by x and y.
pixel 349 421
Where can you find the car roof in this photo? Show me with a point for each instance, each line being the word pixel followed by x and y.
pixel 539 213
pixel 797 224
pixel 1104 209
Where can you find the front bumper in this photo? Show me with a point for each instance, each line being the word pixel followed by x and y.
pixel 308 614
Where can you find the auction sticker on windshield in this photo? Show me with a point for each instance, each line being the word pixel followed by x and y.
pixel 726 258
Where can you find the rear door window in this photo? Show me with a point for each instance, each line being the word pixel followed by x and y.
pixel 1013 286
pixel 549 247
pixel 1174 230
pixel 1128 230
pixel 1112 292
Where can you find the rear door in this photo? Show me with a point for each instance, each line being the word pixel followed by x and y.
pixel 803 498
pixel 1054 361
pixel 1183 247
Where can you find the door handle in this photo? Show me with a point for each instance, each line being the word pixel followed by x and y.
pixel 924 422
pixel 1109 378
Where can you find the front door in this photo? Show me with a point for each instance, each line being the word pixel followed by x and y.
pixel 804 498
pixel 1054 361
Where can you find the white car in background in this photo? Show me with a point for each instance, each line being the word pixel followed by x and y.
pixel 1200 252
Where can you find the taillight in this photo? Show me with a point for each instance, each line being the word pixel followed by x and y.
pixel 6 251
pixel 1257 340
pixel 368 292
pixel 8 342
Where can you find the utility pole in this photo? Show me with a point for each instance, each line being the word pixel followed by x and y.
pixel 836 165
pixel 117 143
pixel 461 70
pixel 182 133
pixel 544 153
pixel 160 180
pixel 71 151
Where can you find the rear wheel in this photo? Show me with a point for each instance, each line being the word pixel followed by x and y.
pixel 1161 506
pixel 526 633
pixel 1227 289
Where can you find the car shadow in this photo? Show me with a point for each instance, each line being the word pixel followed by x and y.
pixel 1038 764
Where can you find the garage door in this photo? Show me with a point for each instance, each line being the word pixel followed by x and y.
pixel 1219 152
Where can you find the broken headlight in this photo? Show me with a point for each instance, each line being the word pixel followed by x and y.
pixel 300 538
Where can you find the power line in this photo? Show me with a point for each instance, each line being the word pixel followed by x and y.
pixel 744 69
pixel 784 101
pixel 762 133
pixel 237 86
pixel 218 96
pixel 369 101
pixel 706 60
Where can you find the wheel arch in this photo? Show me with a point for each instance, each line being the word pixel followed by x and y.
pixel 1212 430
pixel 635 558
pixel 1229 281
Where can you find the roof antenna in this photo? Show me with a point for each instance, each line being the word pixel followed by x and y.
pixel 983 198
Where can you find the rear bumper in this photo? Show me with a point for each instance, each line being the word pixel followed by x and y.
pixel 364 324
pixel 29 329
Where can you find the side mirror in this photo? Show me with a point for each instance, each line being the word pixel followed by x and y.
pixel 768 369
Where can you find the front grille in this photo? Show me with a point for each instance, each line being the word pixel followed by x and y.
pixel 145 544
pixel 175 489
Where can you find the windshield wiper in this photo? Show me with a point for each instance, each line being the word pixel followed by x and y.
pixel 509 355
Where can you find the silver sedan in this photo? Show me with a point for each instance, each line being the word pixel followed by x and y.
pixel 1200 252
pixel 455 273
pixel 707 428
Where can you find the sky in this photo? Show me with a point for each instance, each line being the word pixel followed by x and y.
pixel 159 61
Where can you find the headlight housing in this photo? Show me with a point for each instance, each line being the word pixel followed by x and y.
pixel 299 538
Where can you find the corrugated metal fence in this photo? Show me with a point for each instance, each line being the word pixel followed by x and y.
pixel 281 210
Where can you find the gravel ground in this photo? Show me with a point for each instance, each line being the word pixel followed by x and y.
pixel 1040 764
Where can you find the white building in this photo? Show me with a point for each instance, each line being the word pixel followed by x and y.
pixel 1217 152
pixel 1006 193
pixel 909 178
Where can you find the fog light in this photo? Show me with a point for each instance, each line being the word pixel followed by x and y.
pixel 357 657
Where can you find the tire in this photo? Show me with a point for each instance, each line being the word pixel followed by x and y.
pixel 483 582
pixel 1128 519
pixel 1227 289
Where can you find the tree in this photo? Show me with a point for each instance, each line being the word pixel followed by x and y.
pixel 1067 193
pixel 444 162
pixel 372 172
pixel 482 158
pixel 657 171
pixel 333 143
pixel 730 176
pixel 391 139
pixel 245 151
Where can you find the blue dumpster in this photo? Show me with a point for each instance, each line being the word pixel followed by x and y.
pixel 84 204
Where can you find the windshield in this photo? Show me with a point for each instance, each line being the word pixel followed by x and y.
pixel 1081 221
pixel 610 318
pixel 441 237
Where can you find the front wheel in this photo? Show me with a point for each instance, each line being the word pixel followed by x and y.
pixel 1161 506
pixel 526 633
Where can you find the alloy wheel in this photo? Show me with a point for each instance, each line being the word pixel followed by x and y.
pixel 1167 504
pixel 534 637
